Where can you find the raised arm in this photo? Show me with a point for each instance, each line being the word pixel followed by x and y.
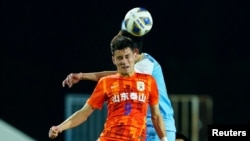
pixel 158 122
pixel 74 120
pixel 74 78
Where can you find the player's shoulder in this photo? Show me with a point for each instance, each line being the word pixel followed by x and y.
pixel 109 77
pixel 149 57
pixel 144 75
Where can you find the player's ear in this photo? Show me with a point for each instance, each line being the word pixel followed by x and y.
pixel 135 55
pixel 113 60
pixel 136 50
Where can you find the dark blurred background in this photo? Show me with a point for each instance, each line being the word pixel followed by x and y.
pixel 202 45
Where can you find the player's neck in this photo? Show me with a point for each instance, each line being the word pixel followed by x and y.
pixel 139 57
pixel 127 74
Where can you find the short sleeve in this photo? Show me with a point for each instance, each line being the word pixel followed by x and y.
pixel 97 97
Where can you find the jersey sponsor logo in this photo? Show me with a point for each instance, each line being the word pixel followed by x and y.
pixel 129 96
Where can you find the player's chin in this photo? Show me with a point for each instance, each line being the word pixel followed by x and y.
pixel 127 72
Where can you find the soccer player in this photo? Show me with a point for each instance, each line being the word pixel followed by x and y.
pixel 127 95
pixel 145 63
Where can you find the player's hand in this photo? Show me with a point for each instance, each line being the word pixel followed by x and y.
pixel 72 79
pixel 54 132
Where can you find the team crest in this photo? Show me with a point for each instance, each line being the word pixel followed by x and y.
pixel 140 86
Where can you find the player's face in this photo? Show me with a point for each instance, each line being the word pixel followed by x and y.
pixel 124 60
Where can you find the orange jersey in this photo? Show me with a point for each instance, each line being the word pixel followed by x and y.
pixel 127 100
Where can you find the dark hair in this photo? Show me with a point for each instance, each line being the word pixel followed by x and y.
pixel 121 42
pixel 137 41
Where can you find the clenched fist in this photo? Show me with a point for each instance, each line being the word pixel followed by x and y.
pixel 72 79
pixel 54 131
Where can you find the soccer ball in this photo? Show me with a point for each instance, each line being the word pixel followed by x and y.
pixel 138 21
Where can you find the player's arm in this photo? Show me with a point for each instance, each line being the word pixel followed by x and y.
pixel 158 122
pixel 74 78
pixel 74 120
